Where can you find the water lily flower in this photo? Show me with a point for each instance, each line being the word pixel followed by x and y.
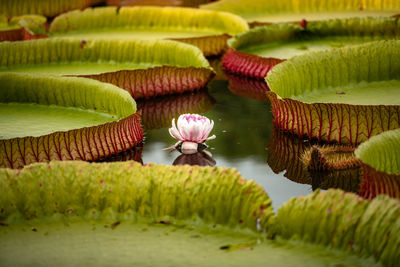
pixel 192 131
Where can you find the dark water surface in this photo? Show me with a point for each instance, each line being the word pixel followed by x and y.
pixel 243 127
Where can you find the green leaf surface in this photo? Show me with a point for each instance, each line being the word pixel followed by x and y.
pixel 156 21
pixel 205 29
pixel 49 117
pixel 36 105
pixel 287 40
pixel 48 8
pixel 72 56
pixel 345 94
pixel 142 67
pixel 322 74
pixel 20 120
pixel 382 152
pixel 343 220
pixel 163 214
pixel 296 10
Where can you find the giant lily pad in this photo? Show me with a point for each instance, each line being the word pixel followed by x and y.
pixel 206 29
pixel 48 8
pixel 181 215
pixel 256 52
pixel 22 28
pixel 342 220
pixel 55 118
pixel 381 164
pixel 265 12
pixel 144 68
pixel 343 95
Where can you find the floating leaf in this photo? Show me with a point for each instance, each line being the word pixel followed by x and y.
pixel 381 164
pixel 255 52
pixel 345 221
pixel 144 68
pixel 261 11
pixel 304 97
pixel 54 118
pixel 22 28
pixel 189 211
pixel 48 8
pixel 208 30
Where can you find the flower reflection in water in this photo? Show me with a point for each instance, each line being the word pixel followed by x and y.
pixel 199 158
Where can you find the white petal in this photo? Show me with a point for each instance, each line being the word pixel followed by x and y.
pixel 173 131
pixel 207 130
pixel 211 137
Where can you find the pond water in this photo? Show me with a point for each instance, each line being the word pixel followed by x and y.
pixel 243 127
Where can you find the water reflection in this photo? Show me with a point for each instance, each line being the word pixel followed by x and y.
pixel 246 87
pixel 325 166
pixel 287 153
pixel 243 127
pixel 132 154
pixel 158 112
pixel 199 158
pixel 246 140
pixel 284 154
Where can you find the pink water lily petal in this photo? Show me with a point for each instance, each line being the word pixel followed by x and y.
pixel 191 128
pixel 173 131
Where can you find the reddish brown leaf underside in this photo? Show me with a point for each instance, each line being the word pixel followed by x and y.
pixel 89 144
pixel 157 81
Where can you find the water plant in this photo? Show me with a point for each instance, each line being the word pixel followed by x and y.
pixel 380 164
pixel 195 210
pixel 344 95
pixel 22 27
pixel 259 12
pixel 47 8
pixel 205 29
pixel 47 118
pixel 144 68
pixel 255 52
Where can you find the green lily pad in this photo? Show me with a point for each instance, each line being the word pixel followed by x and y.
pixel 180 215
pixel 48 8
pixel 208 30
pixel 22 27
pixel 47 118
pixel 381 152
pixel 255 52
pixel 143 68
pixel 323 94
pixel 380 164
pixel 260 11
